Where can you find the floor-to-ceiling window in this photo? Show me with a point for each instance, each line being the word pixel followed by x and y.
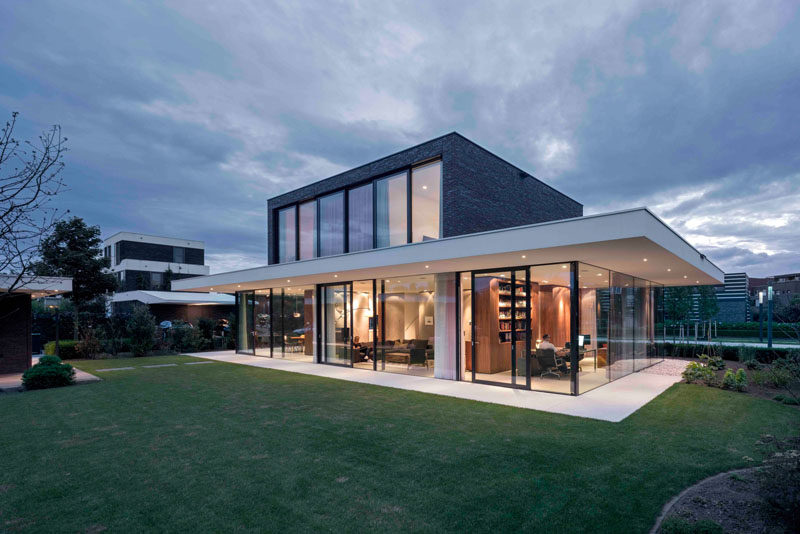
pixel 331 224
pixel 551 321
pixel 262 323
pixel 406 325
pixel 308 230
pixel 363 320
pixel 244 317
pixel 391 210
pixel 425 195
pixel 287 243
pixel 593 336
pixel 359 228
pixel 335 310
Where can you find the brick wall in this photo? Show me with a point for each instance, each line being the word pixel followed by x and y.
pixel 15 333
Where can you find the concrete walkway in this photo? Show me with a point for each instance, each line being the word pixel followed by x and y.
pixel 612 402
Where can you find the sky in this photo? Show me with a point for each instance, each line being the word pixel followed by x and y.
pixel 184 117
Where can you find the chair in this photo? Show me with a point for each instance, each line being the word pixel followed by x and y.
pixel 550 364
pixel 418 354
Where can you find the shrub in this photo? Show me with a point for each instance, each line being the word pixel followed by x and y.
pixel 676 525
pixel 729 380
pixel 714 362
pixel 206 327
pixel 747 354
pixel 741 380
pixel 185 339
pixel 697 372
pixel 50 372
pixel 89 346
pixel 786 399
pixel 142 328
pixel 66 349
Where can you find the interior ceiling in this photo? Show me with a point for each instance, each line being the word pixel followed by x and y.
pixel 638 257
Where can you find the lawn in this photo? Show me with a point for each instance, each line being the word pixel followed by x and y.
pixel 223 447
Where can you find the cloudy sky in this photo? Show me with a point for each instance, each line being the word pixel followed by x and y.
pixel 184 117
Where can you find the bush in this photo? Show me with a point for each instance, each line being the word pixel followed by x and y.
pixel 142 329
pixel 66 349
pixel 729 380
pixel 741 380
pixel 185 339
pixel 89 346
pixel 676 525
pixel 697 372
pixel 206 327
pixel 50 372
pixel 780 478
pixel 714 362
pixel 786 399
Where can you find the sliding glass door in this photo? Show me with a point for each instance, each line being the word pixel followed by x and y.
pixel 500 328
pixel 336 339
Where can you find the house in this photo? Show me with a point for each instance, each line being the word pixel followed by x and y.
pixel 145 267
pixel 16 319
pixel 446 261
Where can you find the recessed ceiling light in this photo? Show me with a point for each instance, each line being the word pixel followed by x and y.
pixel 599 274
pixel 240 285
pixel 685 276
pixel 427 266
pixel 544 281
pixel 697 281
pixel 644 259
pixel 288 280
pixel 424 187
pixel 212 289
pixel 523 256
pixel 669 270
pixel 563 266
pixel 336 276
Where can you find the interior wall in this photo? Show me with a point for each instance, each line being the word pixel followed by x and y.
pixel 588 324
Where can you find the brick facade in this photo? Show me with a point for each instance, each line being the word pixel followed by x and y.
pixel 480 191
pixel 15 333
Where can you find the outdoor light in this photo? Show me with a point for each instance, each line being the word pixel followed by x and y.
pixel 769 293
pixel 761 297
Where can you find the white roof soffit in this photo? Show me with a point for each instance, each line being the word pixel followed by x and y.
pixel 172 297
pixel 36 286
pixel 619 241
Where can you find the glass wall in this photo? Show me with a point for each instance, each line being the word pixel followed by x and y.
pixel 263 323
pixel 360 218
pixel 406 325
pixel 465 317
pixel 425 193
pixel 244 317
pixel 308 230
pixel 551 320
pixel 593 338
pixel 331 224
pixel 336 343
pixel 363 318
pixel 391 210
pixel 287 243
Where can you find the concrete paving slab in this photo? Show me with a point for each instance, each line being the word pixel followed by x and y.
pixel 160 365
pixel 114 369
pixel 612 402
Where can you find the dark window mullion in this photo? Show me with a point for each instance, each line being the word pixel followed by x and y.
pixel 409 208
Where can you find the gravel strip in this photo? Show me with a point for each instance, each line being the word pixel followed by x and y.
pixel 669 367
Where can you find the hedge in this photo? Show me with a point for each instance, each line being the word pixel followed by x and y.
pixel 728 352
pixel 66 349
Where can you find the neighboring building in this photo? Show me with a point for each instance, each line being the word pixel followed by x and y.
pixel 785 287
pixel 444 260
pixel 145 267
pixel 15 318
pixel 733 299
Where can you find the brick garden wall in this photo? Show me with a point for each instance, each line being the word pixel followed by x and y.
pixel 15 333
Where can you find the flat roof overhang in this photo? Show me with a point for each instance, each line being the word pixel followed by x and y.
pixel 619 241
pixel 36 286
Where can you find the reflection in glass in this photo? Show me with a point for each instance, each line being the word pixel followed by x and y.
pixel 336 343
pixel 550 327
pixel 286 235
pixel 360 214
pixel 425 190
pixel 308 230
pixel 331 224
pixel 594 298
pixel 391 210
pixel 406 325
pixel 465 306
pixel 297 323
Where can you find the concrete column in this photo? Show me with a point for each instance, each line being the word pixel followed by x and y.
pixel 445 327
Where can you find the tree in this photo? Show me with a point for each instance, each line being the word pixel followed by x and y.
pixel 142 329
pixel 677 304
pixel 73 250
pixel 707 305
pixel 29 180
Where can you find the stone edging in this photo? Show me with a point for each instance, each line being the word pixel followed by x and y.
pixel 675 499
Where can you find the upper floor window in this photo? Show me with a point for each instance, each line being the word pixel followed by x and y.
pixel 178 254
pixel 331 224
pixel 287 246
pixel 156 280
pixel 308 230
pixel 391 210
pixel 425 195
pixel 359 208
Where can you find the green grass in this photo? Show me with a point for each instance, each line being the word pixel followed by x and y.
pixel 223 447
